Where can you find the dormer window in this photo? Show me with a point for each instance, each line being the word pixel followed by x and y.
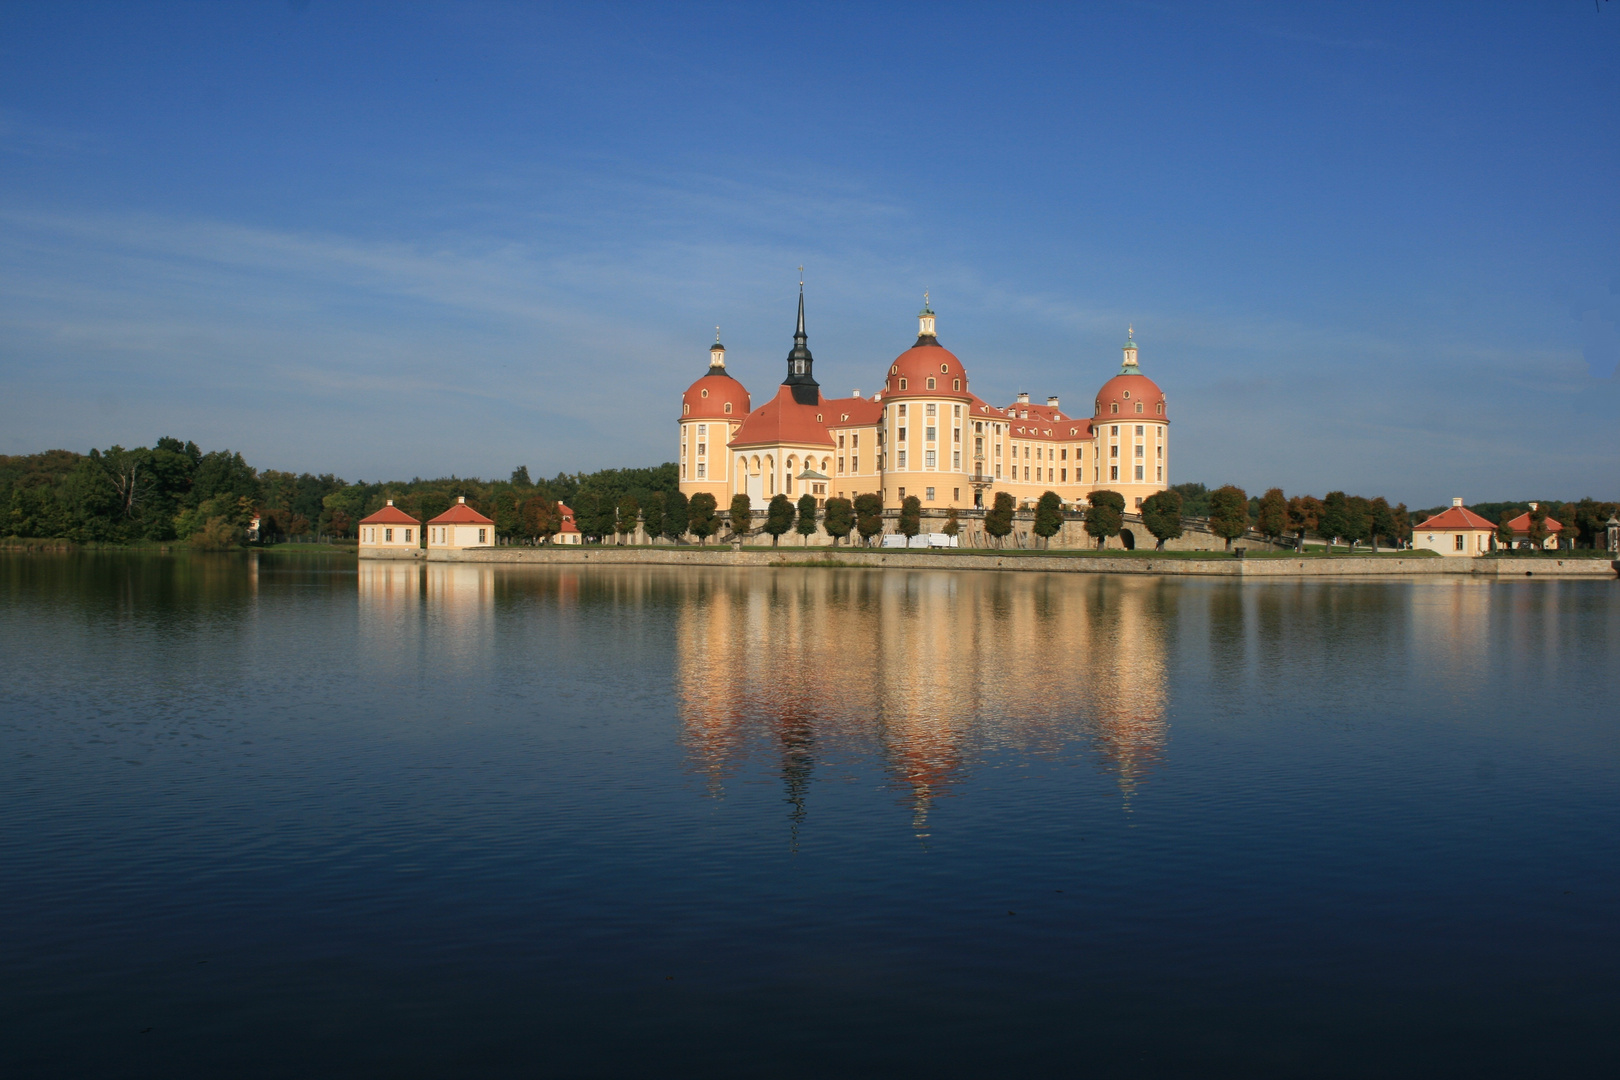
pixel 902 384
pixel 1138 408
pixel 686 410
pixel 1113 406
pixel 728 406
pixel 956 384
pixel 1161 408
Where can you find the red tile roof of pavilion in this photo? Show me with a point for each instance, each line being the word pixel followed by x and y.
pixel 389 515
pixel 1456 517
pixel 461 514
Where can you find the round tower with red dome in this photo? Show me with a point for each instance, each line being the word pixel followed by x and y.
pixel 1131 429
pixel 711 409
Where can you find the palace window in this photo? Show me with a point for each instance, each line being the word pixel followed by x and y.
pixel 956 435
pixel 1113 451
pixel 1113 472
pixel 902 493
pixel 956 494
pixel 703 448
pixel 840 442
pixel 1114 430
pixel 928 493
pixel 388 536
pixel 902 434
pixel 686 410
pixel 930 382
pixel 998 449
pixel 900 460
pixel 928 434
pixel 931 409
pixel 1161 408
pixel 1065 475
pixel 1139 502
pixel 928 459
pixel 1139 472
pixel 1063 454
pixel 1113 406
pixel 702 470
pixel 1161 451
pixel 978 447
pixel 1139 408
pixel 728 406
pixel 998 470
pixel 840 466
pixel 854 464
pixel 956 460
pixel 902 408
pixel 902 384
pixel 1139 449
pixel 683 469
pixel 855 441
pixel 956 384
pixel 1138 431
pixel 1127 395
pixel 1161 473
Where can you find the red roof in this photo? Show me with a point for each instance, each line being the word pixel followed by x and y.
pixel 1126 391
pixel 1456 517
pixel 1041 421
pixel 461 514
pixel 851 411
pixel 567 513
pixel 707 398
pixel 1521 524
pixel 920 363
pixel 782 420
pixel 389 515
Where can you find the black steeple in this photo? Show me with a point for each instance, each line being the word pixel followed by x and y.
pixel 806 391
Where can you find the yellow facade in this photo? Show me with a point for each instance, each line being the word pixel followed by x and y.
pixel 925 434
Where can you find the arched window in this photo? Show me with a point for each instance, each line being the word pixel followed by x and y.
pixel 956 384
pixel 686 410
pixel 1161 408
pixel 902 384
pixel 1139 408
pixel 1099 407
pixel 930 382
pixel 1113 406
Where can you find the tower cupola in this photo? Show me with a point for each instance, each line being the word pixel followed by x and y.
pixel 1129 366
pixel 717 355
pixel 925 324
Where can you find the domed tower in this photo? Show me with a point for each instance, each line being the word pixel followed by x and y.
pixel 711 409
pixel 1131 430
pixel 922 433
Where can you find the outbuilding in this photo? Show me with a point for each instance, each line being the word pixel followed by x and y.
pixel 1521 531
pixel 1456 530
pixel 460 527
pixel 568 528
pixel 390 530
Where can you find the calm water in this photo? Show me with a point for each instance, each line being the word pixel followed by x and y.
pixel 283 817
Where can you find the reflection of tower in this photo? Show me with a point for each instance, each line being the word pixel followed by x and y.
pixel 797 736
pixel 1126 685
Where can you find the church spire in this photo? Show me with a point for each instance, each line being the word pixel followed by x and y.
pixel 806 391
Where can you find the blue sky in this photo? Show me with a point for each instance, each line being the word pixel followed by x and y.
pixel 1370 247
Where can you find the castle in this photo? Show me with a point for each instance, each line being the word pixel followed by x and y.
pixel 925 434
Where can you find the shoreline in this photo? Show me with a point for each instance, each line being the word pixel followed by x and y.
pixel 858 558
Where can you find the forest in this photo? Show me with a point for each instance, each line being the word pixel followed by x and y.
pixel 174 492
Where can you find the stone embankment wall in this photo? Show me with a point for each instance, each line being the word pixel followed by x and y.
pixel 1343 566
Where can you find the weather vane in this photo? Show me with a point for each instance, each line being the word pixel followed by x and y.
pixel 801 275
pixel 925 298
pixel 717 335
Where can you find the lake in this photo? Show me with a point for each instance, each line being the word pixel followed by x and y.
pixel 271 815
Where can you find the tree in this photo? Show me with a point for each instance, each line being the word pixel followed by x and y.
pixel 1161 514
pixel 778 517
pixel 541 518
pixel 998 520
pixel 1194 499
pixel 629 516
pixel 607 517
pixel 1383 522
pixel 952 524
pixel 1403 526
pixel 1228 513
pixel 677 515
pixel 652 515
pixel 806 525
pixel 1272 516
pixel 1334 521
pixel 1106 517
pixel 742 516
pixel 520 477
pixel 1304 514
pixel 1358 518
pixel 1538 530
pixel 869 515
pixel 702 521
pixel 1048 517
pixel 838 519
pixel 1504 530
pixel 910 517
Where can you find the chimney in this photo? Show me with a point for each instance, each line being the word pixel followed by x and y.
pixel 460 499
pixel 1052 401
pixel 854 393
pixel 1023 399
pixel 1535 506
pixel 390 502
pixel 1456 502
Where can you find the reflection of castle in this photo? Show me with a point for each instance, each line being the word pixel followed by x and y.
pixel 927 671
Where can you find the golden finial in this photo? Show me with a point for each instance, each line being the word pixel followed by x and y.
pixel 717 335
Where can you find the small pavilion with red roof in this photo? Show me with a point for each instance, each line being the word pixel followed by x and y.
pixel 460 527
pixel 1521 531
pixel 390 533
pixel 1456 531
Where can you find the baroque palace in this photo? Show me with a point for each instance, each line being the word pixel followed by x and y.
pixel 924 434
